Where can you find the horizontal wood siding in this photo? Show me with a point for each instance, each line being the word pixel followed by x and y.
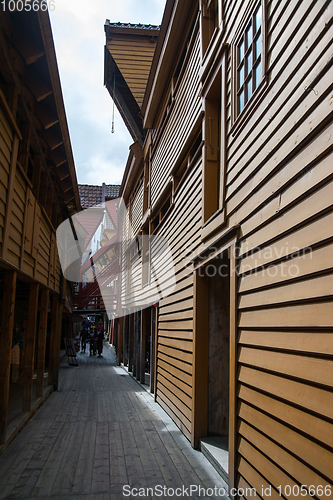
pixel 136 209
pixel 6 144
pixel 133 56
pixel 16 221
pixel 175 321
pixel 183 115
pixel 279 190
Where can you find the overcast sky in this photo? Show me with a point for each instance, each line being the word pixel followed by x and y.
pixel 78 32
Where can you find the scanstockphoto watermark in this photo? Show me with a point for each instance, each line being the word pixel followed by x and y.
pixel 194 490
pixel 270 261
pixel 197 491
pixel 99 248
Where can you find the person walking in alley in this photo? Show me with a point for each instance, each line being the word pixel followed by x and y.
pixel 100 329
pixel 83 337
pixel 93 339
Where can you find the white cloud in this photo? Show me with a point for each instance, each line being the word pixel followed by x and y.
pixel 78 32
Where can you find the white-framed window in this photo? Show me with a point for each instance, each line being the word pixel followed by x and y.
pixel 249 59
pixel 249 62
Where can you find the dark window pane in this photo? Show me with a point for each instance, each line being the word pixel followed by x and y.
pixel 257 74
pixel 241 76
pixel 258 47
pixel 249 62
pixel 249 36
pixel 241 52
pixel 257 19
pixel 249 89
pixel 240 102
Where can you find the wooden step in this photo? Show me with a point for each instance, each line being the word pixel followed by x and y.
pixel 215 449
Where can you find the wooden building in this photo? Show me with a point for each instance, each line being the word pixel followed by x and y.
pixel 235 170
pixel 38 190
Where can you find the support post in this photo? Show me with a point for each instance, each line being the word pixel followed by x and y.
pixel 44 300
pixel 200 359
pixel 120 339
pixel 6 338
pixel 156 348
pixel 125 342
pixel 143 334
pixel 135 344
pixel 233 370
pixel 30 347
pixel 152 327
pixel 53 333
pixel 57 345
pixel 130 342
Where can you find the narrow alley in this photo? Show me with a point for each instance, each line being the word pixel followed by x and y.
pixel 102 436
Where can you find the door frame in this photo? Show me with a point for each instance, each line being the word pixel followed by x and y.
pixel 226 243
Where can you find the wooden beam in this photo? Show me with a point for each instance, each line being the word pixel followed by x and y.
pixel 233 370
pixel 69 195
pixel 27 47
pixel 30 347
pixel 152 327
pixel 10 112
pixel 135 347
pixel 120 338
pixel 6 336
pixel 38 87
pixel 13 99
pixel 58 157
pixel 53 335
pixel 36 175
pixel 45 115
pixel 66 184
pixel 144 329
pixel 125 342
pixel 200 359
pixel 44 301
pixel 53 256
pixel 155 347
pixel 57 346
pixel 54 214
pixel 44 182
pixel 49 200
pixel 52 139
pixel 23 155
pixel 63 171
pixel 130 342
pixel 10 192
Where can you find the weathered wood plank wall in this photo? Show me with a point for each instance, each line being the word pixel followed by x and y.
pixel 278 194
pixel 31 244
pixel 279 190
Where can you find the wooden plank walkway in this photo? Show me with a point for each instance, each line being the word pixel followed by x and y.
pixel 99 432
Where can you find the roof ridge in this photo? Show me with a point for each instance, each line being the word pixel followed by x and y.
pixel 132 25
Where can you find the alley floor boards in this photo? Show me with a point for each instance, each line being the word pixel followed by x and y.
pixel 99 432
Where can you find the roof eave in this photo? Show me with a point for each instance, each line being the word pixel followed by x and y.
pixel 46 32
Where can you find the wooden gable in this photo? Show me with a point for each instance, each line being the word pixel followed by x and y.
pixel 129 53
pixel 133 55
